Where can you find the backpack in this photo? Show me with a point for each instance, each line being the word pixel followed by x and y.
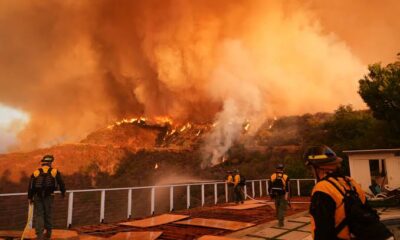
pixel 45 183
pixel 278 185
pixel 362 220
pixel 242 180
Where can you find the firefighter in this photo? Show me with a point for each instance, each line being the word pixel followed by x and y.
pixel 238 187
pixel 230 183
pixel 333 196
pixel 43 182
pixel 279 191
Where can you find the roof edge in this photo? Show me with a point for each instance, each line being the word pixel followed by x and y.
pixel 390 150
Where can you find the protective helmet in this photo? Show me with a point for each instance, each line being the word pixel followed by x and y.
pixel 47 159
pixel 280 166
pixel 321 155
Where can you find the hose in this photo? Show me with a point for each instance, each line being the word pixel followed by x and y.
pixel 28 221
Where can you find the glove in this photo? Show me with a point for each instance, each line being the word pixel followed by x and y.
pixel 286 196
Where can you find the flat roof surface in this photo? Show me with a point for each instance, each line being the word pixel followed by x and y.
pixel 372 151
pixel 155 221
pixel 174 231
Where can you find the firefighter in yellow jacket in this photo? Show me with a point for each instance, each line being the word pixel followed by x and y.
pixel 330 220
pixel 44 181
pixel 238 187
pixel 279 191
pixel 230 184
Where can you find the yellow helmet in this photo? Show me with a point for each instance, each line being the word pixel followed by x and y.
pixel 321 155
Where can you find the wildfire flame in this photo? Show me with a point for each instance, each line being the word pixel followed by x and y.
pixel 172 132
pixel 223 158
pixel 186 126
pixel 246 126
pixel 183 128
pixel 141 120
pixel 272 123
pixel 164 120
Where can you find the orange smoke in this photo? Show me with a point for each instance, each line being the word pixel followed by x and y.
pixel 75 66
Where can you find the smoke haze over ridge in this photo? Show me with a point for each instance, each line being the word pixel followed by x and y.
pixel 75 66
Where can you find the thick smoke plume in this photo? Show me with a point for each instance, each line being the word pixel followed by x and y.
pixel 75 66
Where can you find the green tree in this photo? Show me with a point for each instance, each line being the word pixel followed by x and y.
pixel 380 90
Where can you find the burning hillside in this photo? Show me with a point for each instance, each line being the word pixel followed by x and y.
pixel 106 146
pixel 196 61
pixel 142 133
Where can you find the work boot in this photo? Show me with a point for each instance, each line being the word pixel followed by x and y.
pixel 280 224
pixel 39 237
pixel 47 235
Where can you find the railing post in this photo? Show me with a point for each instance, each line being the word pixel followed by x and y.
pixel 102 205
pixel 129 213
pixel 260 186
pixel 171 198
pixel 70 208
pixel 215 194
pixel 266 187
pixel 188 196
pixel 315 181
pixel 245 192
pixel 202 194
pixel 226 193
pixel 153 195
pixel 253 193
pixel 298 187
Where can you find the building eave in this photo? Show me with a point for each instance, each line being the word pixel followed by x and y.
pixel 369 151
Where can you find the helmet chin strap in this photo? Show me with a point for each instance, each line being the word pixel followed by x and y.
pixel 316 173
pixel 317 170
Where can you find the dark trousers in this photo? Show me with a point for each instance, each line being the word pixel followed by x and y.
pixel 231 193
pixel 280 207
pixel 238 194
pixel 43 215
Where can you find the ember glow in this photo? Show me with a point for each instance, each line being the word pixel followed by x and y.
pixel 77 66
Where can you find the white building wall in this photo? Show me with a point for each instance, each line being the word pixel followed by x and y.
pixel 359 168
pixel 359 171
pixel 393 171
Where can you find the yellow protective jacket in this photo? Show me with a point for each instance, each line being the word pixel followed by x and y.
pixel 54 173
pixel 236 180
pixel 229 179
pixel 284 178
pixel 327 188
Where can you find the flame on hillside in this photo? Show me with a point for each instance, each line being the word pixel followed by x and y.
pixel 161 120
pixel 167 132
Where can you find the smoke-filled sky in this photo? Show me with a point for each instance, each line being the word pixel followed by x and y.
pixel 75 66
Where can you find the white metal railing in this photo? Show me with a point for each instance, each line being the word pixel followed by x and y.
pixel 171 195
